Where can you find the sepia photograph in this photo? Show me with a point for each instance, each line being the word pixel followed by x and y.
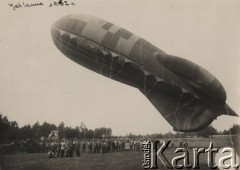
pixel 119 84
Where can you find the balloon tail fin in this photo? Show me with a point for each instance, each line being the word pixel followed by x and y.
pixel 230 111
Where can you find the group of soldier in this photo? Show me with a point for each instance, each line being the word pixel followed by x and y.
pixel 74 147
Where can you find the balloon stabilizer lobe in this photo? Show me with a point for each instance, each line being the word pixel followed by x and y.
pixel 187 95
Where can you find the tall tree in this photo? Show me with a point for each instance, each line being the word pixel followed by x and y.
pixel 235 129
pixel 207 132
pixel 26 132
pixel 36 127
pixel 46 128
pixel 61 130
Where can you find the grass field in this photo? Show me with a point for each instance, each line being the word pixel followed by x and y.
pixel 127 160
pixel 111 161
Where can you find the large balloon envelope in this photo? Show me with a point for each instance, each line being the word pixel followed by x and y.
pixel 187 95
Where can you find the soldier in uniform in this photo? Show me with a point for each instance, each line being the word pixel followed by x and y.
pixel 78 147
pixel 63 145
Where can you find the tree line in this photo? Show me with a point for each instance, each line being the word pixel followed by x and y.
pixel 207 132
pixel 10 131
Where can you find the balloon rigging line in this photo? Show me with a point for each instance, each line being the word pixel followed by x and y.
pixel 176 111
pixel 230 133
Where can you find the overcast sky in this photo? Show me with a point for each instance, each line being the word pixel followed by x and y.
pixel 38 83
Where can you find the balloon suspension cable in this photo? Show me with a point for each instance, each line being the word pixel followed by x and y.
pixel 162 61
pixel 111 66
pixel 96 59
pixel 61 43
pixel 230 133
pixel 120 70
pixel 150 89
pixel 144 84
pixel 119 52
pixel 68 46
pixel 175 112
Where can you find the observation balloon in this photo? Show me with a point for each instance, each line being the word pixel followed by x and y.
pixel 187 95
